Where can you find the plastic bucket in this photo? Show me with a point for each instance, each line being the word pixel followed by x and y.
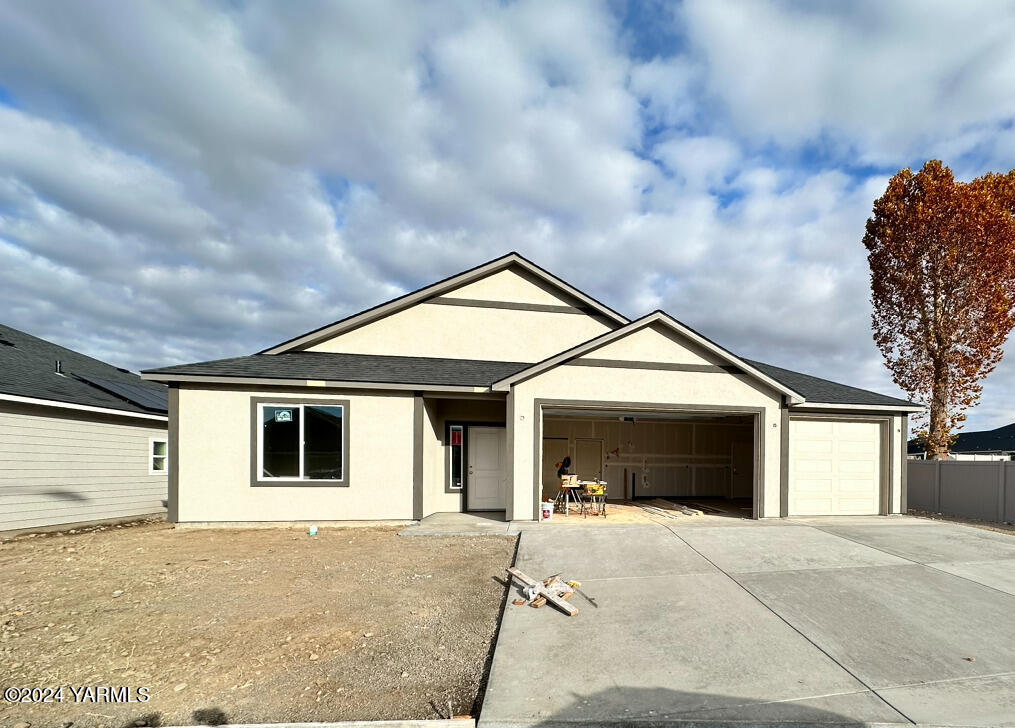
pixel 547 509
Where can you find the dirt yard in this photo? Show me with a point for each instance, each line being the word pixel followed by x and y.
pixel 248 625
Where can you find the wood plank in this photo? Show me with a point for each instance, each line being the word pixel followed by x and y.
pixel 550 596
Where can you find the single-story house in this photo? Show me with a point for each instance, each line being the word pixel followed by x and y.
pixel 463 395
pixel 81 441
pixel 996 444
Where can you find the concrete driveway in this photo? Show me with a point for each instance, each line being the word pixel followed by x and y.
pixel 709 620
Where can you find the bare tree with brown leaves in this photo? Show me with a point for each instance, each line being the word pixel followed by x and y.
pixel 942 262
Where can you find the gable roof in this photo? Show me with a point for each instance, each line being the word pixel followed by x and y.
pixel 358 368
pixel 28 372
pixel 287 363
pixel 1001 439
pixel 456 281
pixel 656 317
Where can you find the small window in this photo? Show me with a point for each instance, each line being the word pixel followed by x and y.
pixel 456 449
pixel 158 457
pixel 301 442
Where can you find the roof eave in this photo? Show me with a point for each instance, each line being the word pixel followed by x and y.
pixel 315 383
pixel 60 404
pixel 909 408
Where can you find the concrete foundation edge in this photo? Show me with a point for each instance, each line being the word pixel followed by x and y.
pixel 58 527
pixel 301 525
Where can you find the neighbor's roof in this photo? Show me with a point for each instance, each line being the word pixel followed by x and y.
pixel 364 368
pixel 1000 440
pixel 28 369
pixel 815 389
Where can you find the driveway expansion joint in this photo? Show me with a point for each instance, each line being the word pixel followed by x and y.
pixel 928 565
pixel 818 647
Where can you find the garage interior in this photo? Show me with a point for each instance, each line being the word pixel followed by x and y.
pixel 694 458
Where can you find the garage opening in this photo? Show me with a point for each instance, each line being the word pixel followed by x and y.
pixel 706 460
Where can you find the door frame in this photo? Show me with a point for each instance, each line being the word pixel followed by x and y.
pixel 465 425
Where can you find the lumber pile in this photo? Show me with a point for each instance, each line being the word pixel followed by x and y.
pixel 667 509
pixel 551 590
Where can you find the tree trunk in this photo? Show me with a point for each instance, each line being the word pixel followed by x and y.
pixel 939 436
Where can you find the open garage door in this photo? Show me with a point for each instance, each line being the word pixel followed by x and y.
pixel 705 457
pixel 834 467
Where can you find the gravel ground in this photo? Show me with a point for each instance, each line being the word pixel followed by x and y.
pixel 985 525
pixel 248 625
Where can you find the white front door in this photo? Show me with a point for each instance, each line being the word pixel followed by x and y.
pixel 486 483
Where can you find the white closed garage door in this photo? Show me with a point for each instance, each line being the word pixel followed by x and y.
pixel 834 468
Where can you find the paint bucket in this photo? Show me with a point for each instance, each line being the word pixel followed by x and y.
pixel 313 530
pixel 547 509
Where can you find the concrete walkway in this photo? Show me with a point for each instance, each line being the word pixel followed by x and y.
pixel 460 524
pixel 714 621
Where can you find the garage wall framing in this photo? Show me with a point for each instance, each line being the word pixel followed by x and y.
pixel 636 408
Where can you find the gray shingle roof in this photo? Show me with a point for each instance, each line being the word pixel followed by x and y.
pixel 815 389
pixel 354 368
pixel 433 371
pixel 27 369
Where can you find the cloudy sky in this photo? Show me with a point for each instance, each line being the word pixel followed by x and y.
pixel 186 181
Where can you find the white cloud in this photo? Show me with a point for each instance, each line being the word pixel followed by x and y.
pixel 884 80
pixel 703 161
pixel 200 180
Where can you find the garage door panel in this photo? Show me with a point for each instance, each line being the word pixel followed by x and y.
pixel 857 467
pixel 862 448
pixel 814 447
pixel 834 467
pixel 813 506
pixel 813 466
pixel 819 427
pixel 854 486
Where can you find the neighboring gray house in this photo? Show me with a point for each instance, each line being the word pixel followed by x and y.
pixel 997 444
pixel 80 440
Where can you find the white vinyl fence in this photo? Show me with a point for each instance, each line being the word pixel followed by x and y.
pixel 982 490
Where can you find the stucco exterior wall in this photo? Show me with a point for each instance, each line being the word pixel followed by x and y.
pixel 435 497
pixel 619 386
pixel 508 286
pixel 62 467
pixel 899 436
pixel 466 332
pixel 215 460
pixel 652 344
pixel 476 331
